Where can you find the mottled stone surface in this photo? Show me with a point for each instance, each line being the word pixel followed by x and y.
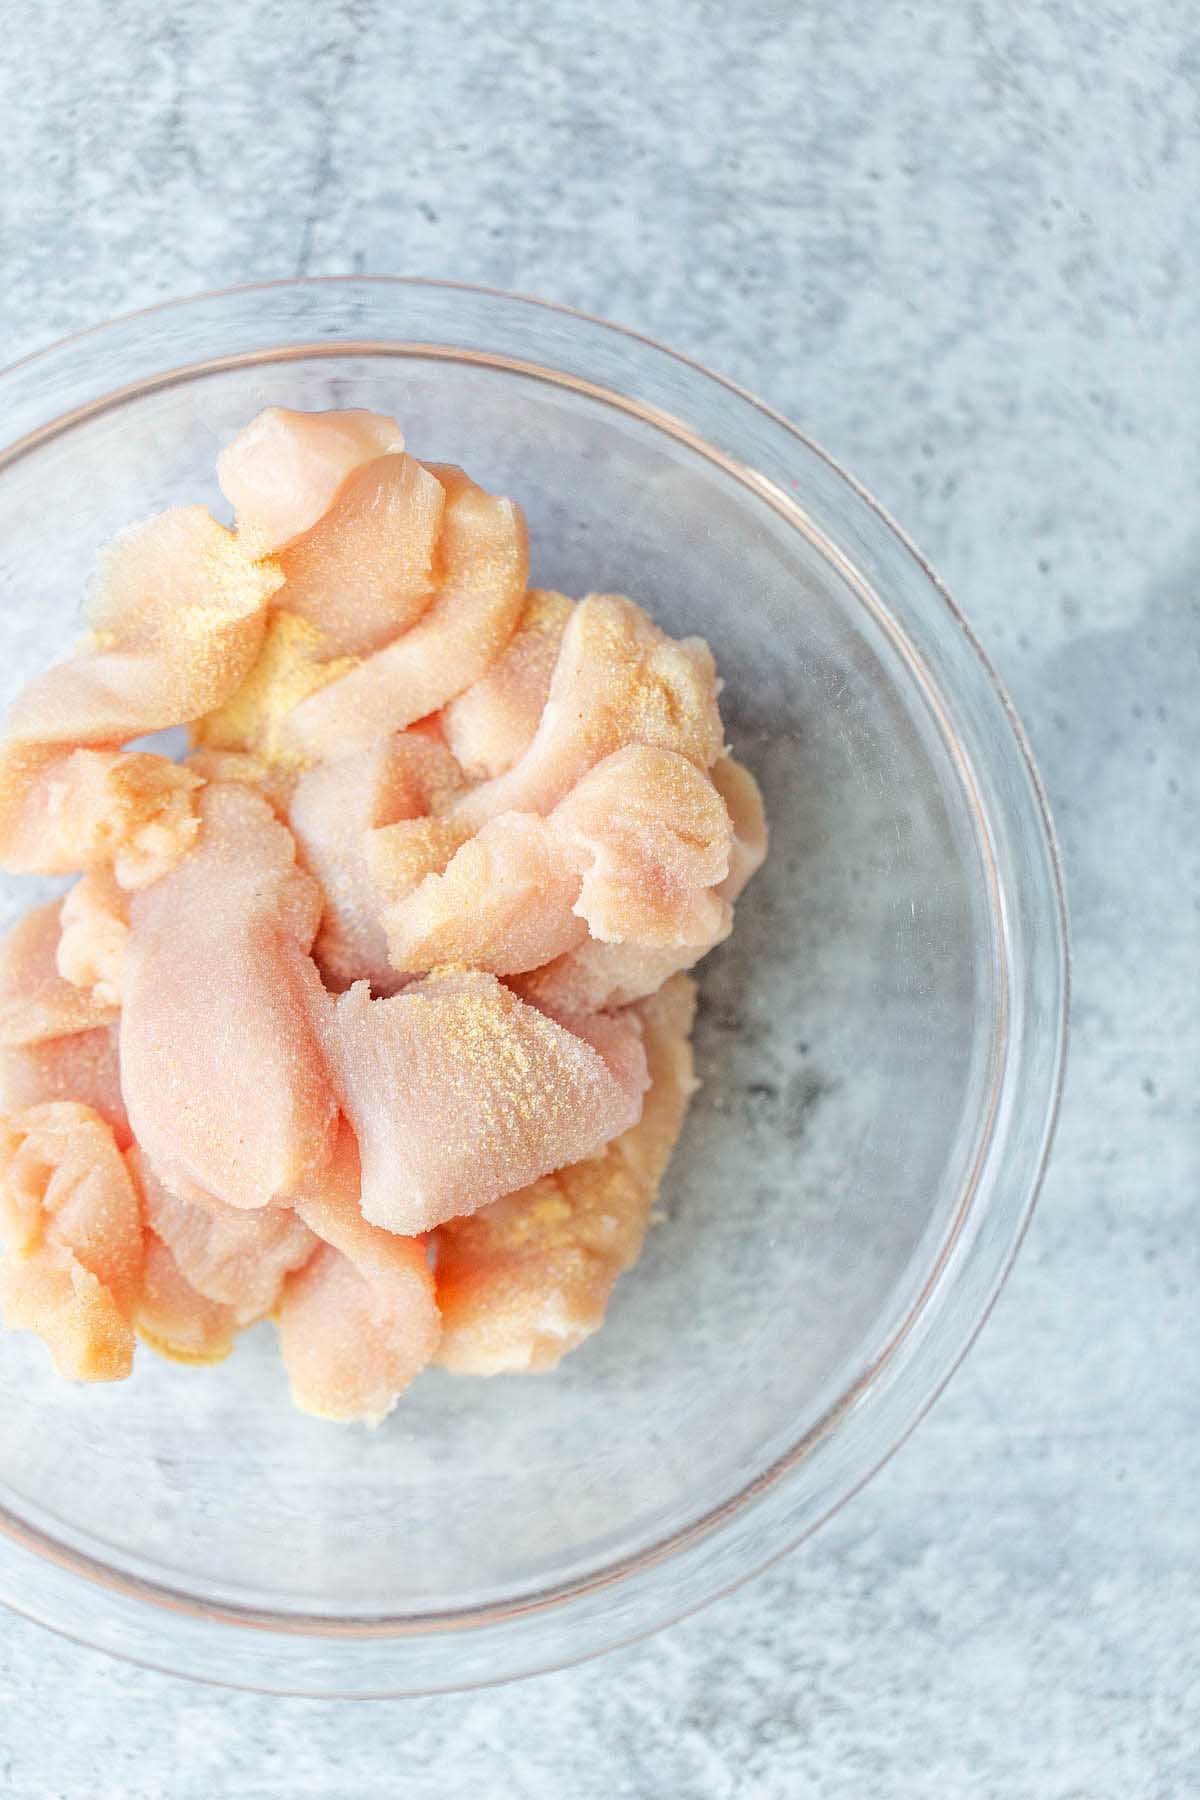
pixel 958 244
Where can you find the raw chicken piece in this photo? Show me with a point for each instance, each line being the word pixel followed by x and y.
pixel 618 680
pixel 599 975
pixel 401 856
pixel 174 1319
pixel 527 1279
pixel 653 837
pixel 177 621
pixel 744 803
pixel 78 809
pixel 457 1093
pixel 55 1296
pixel 223 1076
pixel 366 571
pixel 617 1040
pixel 504 903
pixel 63 1179
pixel 72 1231
pixel 362 575
pixel 359 653
pixel 36 1003
pixel 239 1259
pixel 360 1321
pixel 83 1067
pixel 284 470
pixel 253 721
pixel 177 616
pixel 596 976
pixel 493 723
pixel 335 808
pixel 270 779
pixel 352 1339
pixel 95 931
pixel 631 854
pixel 483 558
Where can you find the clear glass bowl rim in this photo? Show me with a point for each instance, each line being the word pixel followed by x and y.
pixel 149 1623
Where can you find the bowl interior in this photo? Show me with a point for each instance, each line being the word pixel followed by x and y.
pixel 845 1042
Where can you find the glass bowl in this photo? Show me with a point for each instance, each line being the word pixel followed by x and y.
pixel 880 1042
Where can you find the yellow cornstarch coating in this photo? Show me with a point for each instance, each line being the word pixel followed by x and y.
pixel 290 667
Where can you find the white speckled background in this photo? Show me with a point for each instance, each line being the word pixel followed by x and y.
pixel 958 244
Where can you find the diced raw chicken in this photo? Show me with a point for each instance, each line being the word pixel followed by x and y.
pixel 653 837
pixel 632 854
pixel 253 720
pixel 36 1003
pixel 527 1279
pixel 63 1179
pixel 483 558
pixel 84 1068
pixel 95 931
pixel 350 662
pixel 72 1232
pixel 174 1319
pixel 458 1092
pixel 239 1259
pixel 504 903
pixel 744 802
pixel 360 1321
pixel 366 571
pixel 55 1296
pixel 284 470
pixel 223 1076
pixel 334 810
pixel 177 615
pixel 274 782
pixel 178 618
pixel 61 811
pixel 493 723
pixel 352 1341
pixel 595 976
pixel 618 680
pixel 599 975
pixel 400 856
pixel 617 1040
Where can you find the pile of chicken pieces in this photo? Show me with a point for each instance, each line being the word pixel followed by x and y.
pixel 370 1014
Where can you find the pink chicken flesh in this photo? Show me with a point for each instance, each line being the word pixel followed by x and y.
pixel 334 811
pixel 223 1075
pixel 174 1319
pixel 524 1281
pixel 366 571
pixel 95 931
pixel 238 1259
pixel 177 621
pixel 84 1067
pixel 600 974
pixel 632 855
pixel 458 1092
pixel 285 469
pixel 71 1227
pixel 493 723
pixel 483 558
pixel 618 680
pixel 35 1002
pixel 359 1322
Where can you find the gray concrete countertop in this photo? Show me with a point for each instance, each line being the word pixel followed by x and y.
pixel 958 244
